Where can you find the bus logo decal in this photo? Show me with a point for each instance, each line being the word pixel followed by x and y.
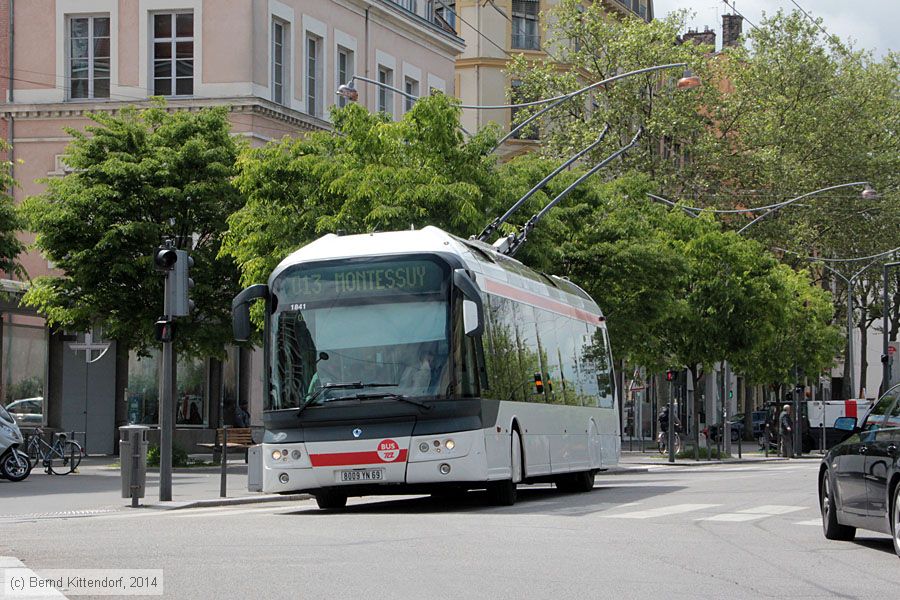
pixel 388 450
pixel 357 432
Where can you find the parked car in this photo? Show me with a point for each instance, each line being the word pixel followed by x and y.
pixel 28 412
pixel 859 479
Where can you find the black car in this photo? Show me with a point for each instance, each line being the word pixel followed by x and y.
pixel 859 481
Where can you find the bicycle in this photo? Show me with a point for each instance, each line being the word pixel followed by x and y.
pixel 60 458
pixel 662 440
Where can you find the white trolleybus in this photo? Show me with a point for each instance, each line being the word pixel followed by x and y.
pixel 419 362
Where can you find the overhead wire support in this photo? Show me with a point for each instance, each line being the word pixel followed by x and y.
pixel 511 244
pixel 496 223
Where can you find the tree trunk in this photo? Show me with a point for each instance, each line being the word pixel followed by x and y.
pixel 695 425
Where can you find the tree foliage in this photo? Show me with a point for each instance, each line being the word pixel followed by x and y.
pixel 138 177
pixel 10 222
pixel 371 174
pixel 589 45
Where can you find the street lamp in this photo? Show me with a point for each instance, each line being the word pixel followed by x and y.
pixel 867 194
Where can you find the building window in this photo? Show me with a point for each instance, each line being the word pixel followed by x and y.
pixel 173 54
pixel 313 75
pixel 281 57
pixel 525 34
pixel 409 5
pixel 411 87
pixel 89 57
pixel 445 14
pixel 345 71
pixel 385 95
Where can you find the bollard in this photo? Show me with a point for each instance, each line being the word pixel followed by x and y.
pixel 740 440
pixel 133 461
pixel 766 439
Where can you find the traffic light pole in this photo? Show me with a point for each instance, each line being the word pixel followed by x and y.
pixel 671 433
pixel 167 406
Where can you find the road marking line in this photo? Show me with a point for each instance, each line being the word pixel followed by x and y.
pixel 662 511
pixel 733 517
pixel 772 509
pixel 814 522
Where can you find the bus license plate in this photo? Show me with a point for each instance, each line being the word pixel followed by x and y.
pixel 361 475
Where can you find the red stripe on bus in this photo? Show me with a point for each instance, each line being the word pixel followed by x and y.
pixel 513 293
pixel 346 459
pixel 850 408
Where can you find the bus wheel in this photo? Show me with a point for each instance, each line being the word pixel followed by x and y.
pixel 503 493
pixel 582 481
pixel 330 499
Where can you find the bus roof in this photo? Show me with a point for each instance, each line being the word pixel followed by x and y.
pixel 478 256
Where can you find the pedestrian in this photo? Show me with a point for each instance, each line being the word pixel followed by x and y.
pixel 241 415
pixel 786 429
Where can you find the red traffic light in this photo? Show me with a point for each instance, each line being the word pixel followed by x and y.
pixel 670 375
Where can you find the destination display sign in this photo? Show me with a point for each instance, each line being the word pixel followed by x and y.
pixel 360 280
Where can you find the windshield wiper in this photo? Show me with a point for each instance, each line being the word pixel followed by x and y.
pixel 390 395
pixel 352 385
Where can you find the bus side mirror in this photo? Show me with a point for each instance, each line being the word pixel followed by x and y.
pixel 473 307
pixel 845 424
pixel 240 310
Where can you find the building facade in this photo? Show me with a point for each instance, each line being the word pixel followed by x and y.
pixel 494 31
pixel 275 63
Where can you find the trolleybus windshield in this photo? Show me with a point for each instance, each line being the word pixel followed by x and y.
pixel 380 323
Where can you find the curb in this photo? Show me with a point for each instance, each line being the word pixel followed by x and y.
pixel 212 502
pixel 624 471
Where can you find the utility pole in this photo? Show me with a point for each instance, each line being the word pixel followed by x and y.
pixel 886 358
pixel 670 442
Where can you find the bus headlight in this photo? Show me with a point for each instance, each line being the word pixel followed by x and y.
pixel 450 444
pixel 276 454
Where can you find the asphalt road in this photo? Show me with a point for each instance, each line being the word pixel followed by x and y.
pixel 717 531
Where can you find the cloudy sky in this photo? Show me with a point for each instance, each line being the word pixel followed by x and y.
pixel 872 24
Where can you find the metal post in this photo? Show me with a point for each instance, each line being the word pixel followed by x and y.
pixel 850 337
pixel 166 410
pixel 766 439
pixel 671 432
pixel 886 358
pixel 136 447
pixel 798 418
pixel 725 431
pixel 224 459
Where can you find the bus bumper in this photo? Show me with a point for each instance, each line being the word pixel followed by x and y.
pixel 432 459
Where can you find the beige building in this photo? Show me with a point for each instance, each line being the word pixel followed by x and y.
pixel 496 30
pixel 276 63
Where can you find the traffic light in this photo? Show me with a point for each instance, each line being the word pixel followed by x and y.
pixel 165 257
pixel 165 330
pixel 180 304
pixel 670 375
pixel 538 383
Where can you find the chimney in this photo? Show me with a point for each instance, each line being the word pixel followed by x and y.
pixel 707 36
pixel 731 30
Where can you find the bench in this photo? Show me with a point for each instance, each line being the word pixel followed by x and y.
pixel 239 438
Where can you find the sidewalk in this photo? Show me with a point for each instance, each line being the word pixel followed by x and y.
pixel 636 457
pixel 96 488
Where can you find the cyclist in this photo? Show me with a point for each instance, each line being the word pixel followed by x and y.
pixel 663 421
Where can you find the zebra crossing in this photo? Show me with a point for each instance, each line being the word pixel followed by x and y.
pixel 715 513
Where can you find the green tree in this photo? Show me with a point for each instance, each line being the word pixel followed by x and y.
pixel 10 223
pixel 589 45
pixel 138 176
pixel 369 174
